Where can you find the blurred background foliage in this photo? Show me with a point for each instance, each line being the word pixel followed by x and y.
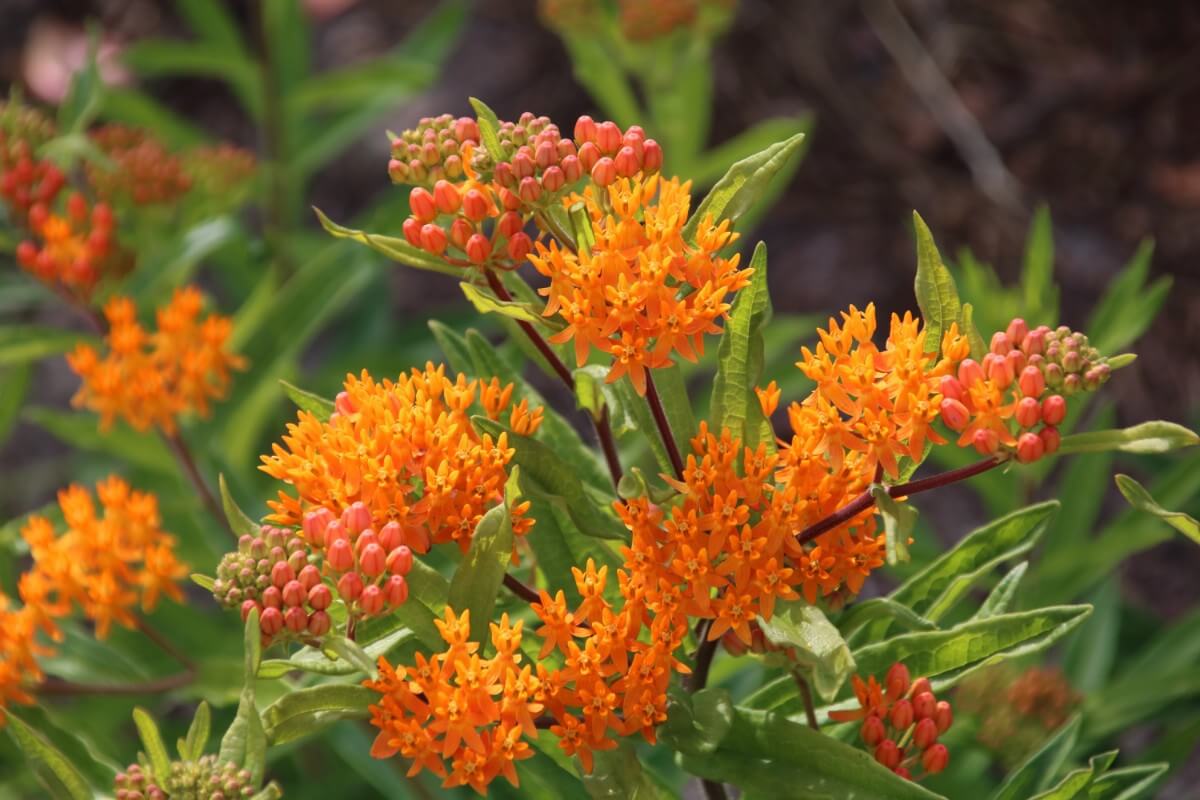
pixel 1069 192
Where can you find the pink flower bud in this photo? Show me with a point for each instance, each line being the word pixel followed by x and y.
pixel 412 231
pixel 509 200
pixel 293 593
pixel 545 155
pixel 1029 412
pixel 920 685
pixel 505 175
pixel 272 597
pixel 350 587
pixel 530 191
pixel 339 556
pixel 924 704
pixel 390 536
pixel 400 560
pixel 572 169
pixel 475 205
pixel 271 621
pixel 1029 448
pixel 319 623
pixel 417 538
pixel 316 520
pixel 565 149
pixel 951 388
pixel 519 247
pixel 446 197
pixel 478 249
pixel 357 517
pixel 652 157
pixel 608 137
pixel 897 680
pixel 397 170
pixel 433 239
pixel 888 754
pixel 281 573
pixel 626 162
pixel 902 715
pixel 954 414
pixel 395 591
pixel 460 232
pixel 510 224
pixel 935 759
pixel 333 531
pixel 999 370
pixel 319 597
pixel 1000 343
pixel 553 179
pixel 585 129
pixel 943 716
pixel 903 773
pixel 422 205
pixel 1050 439
pixel 466 129
pixel 589 154
pixel 1054 409
pixel 372 560
pixel 605 172
pixel 1031 382
pixel 247 607
pixel 372 600
pixel 634 135
pixel 872 731
pixel 1016 361
pixel 1017 331
pixel 1034 343
pixel 925 733
pixel 969 372
pixel 295 619
pixel 986 441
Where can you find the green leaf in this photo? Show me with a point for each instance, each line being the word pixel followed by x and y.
pixel 453 345
pixel 734 404
pixel 1128 783
pixel 1075 785
pixel 1128 305
pixel 55 771
pixel 163 58
pixel 479 577
pixel 314 404
pixel 304 712
pixel 1121 361
pixel 1035 773
pixel 245 742
pixel 1001 597
pixel 394 76
pixel 553 479
pixel 934 590
pixel 311 659
pixel 489 128
pixel 487 303
pixel 239 521
pixel 937 295
pixel 1092 650
pixel 79 107
pixel 814 643
pixel 860 614
pixel 83 431
pixel 697 722
pixel 598 71
pixel 1039 294
pixel 899 519
pixel 672 390
pixel 742 185
pixel 20 344
pixel 1158 436
pixel 152 744
pixel 16 381
pixel 1141 499
pixel 350 652
pixel 213 23
pixel 205 582
pixel 712 165
pixel 395 249
pixel 979 347
pixel 137 109
pixel 198 732
pixel 618 774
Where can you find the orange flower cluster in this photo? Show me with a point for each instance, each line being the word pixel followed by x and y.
pixel 19 649
pixel 143 171
pixel 902 721
pixel 459 706
pixel 149 379
pixel 643 20
pixel 623 296
pixel 407 450
pixel 106 564
pixel 73 250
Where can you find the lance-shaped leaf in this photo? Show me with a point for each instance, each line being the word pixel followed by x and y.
pixel 937 295
pixel 197 735
pixel 697 723
pixel 1127 783
pixel 742 185
pixel 239 521
pixel 310 659
pixel 818 648
pixel 974 337
pixel 152 744
pixel 1076 784
pixel 1158 436
pixel 319 407
pixel 489 128
pixel 453 345
pixel 1142 500
pixel 860 614
pixel 395 249
pixel 1036 772
pixel 55 771
pixel 740 361
pixel 20 344
pixel 486 302
pixel 618 773
pixel 245 741
pixel 478 578
pixel 83 431
pixel 999 599
pixel 899 519
pixel 304 712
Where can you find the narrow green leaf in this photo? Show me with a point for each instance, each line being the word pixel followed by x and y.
pixel 618 773
pixel 479 577
pixel 1001 597
pixel 583 236
pixel 83 431
pixel 205 582
pixel 711 165
pixel 1141 499
pixel 311 659
pixel 245 742
pixel 239 521
pixel 734 404
pixel 314 404
pixel 1092 650
pixel 598 70
pixel 20 344
pixel 1039 294
pixel 1128 305
pixel 816 646
pixel 1122 360
pixel 937 295
pixel 1036 772
pixel 742 185
pixel 1127 783
pixel 163 58
pixel 211 20
pixel 55 771
pixel 198 732
pixel 453 345
pixel 305 711
pixel 352 654
pixel 672 390
pixel 487 303
pixel 1075 785
pixel 979 347
pixel 489 128
pixel 395 249
pixel 152 744
pixel 1158 436
pixel 899 519
pixel 16 381
pixel 860 614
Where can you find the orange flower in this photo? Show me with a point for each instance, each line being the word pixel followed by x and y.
pixel 19 670
pixel 624 297
pixel 407 450
pixel 150 379
pixel 105 564
pixel 73 250
pixel 143 171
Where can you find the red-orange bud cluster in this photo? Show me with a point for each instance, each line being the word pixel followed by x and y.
pixel 142 170
pixel 432 151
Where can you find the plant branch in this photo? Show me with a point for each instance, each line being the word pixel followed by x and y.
pixel 664 425
pixel 602 425
pixel 187 465
pixel 806 696
pixel 520 589
pixel 165 644
pixel 704 657
pixel 865 500
pixel 61 688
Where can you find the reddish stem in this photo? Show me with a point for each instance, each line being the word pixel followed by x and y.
pixel 664 425
pixel 187 465
pixel 521 590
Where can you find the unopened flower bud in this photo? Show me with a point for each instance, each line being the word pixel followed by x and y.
pixel 1029 412
pixel 309 577
pixel 925 733
pixel 350 587
pixel 903 773
pixel 422 204
pixel 372 600
pixel 319 623
pixel 897 680
pixel 1029 448
pixel 873 731
pixel 1000 343
pixel 530 190
pixel 372 560
pixel 545 154
pixel 1072 384
pixel 572 169
pixel 398 171
pixel 998 370
pixel 271 621
pixel 902 715
pixel 1017 330
pixel 585 129
pixel 505 175
pixel 475 205
pixel 446 197
pixel 605 172
pixel 316 520
pixel 943 716
pixel 395 591
pixel 272 597
pixel 339 555
pixel 553 179
pixel 247 607
pixel 281 573
pixel 390 536
pixel 466 129
pixel 510 224
pixel 924 704
pixel 920 685
pixel 1051 439
pixel 412 231
pixel 1016 361
pixel 1032 382
pixel 589 154
pixel 986 441
pixel 608 137
pixel 1034 343
pixel 357 517
pixel 1054 409
pixel 951 388
pixel 954 414
pixel 888 754
pixel 295 619
pixel 460 232
pixel 293 593
pixel 1072 361
pixel 478 249
pixel 969 372
pixel 433 239
pixel 935 759
pixel 519 247
pixel 319 597
pixel 400 560
pixel 626 162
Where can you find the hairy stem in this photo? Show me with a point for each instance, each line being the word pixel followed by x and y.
pixel 187 465
pixel 806 695
pixel 664 425
pixel 602 425
pixel 865 500
pixel 520 589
